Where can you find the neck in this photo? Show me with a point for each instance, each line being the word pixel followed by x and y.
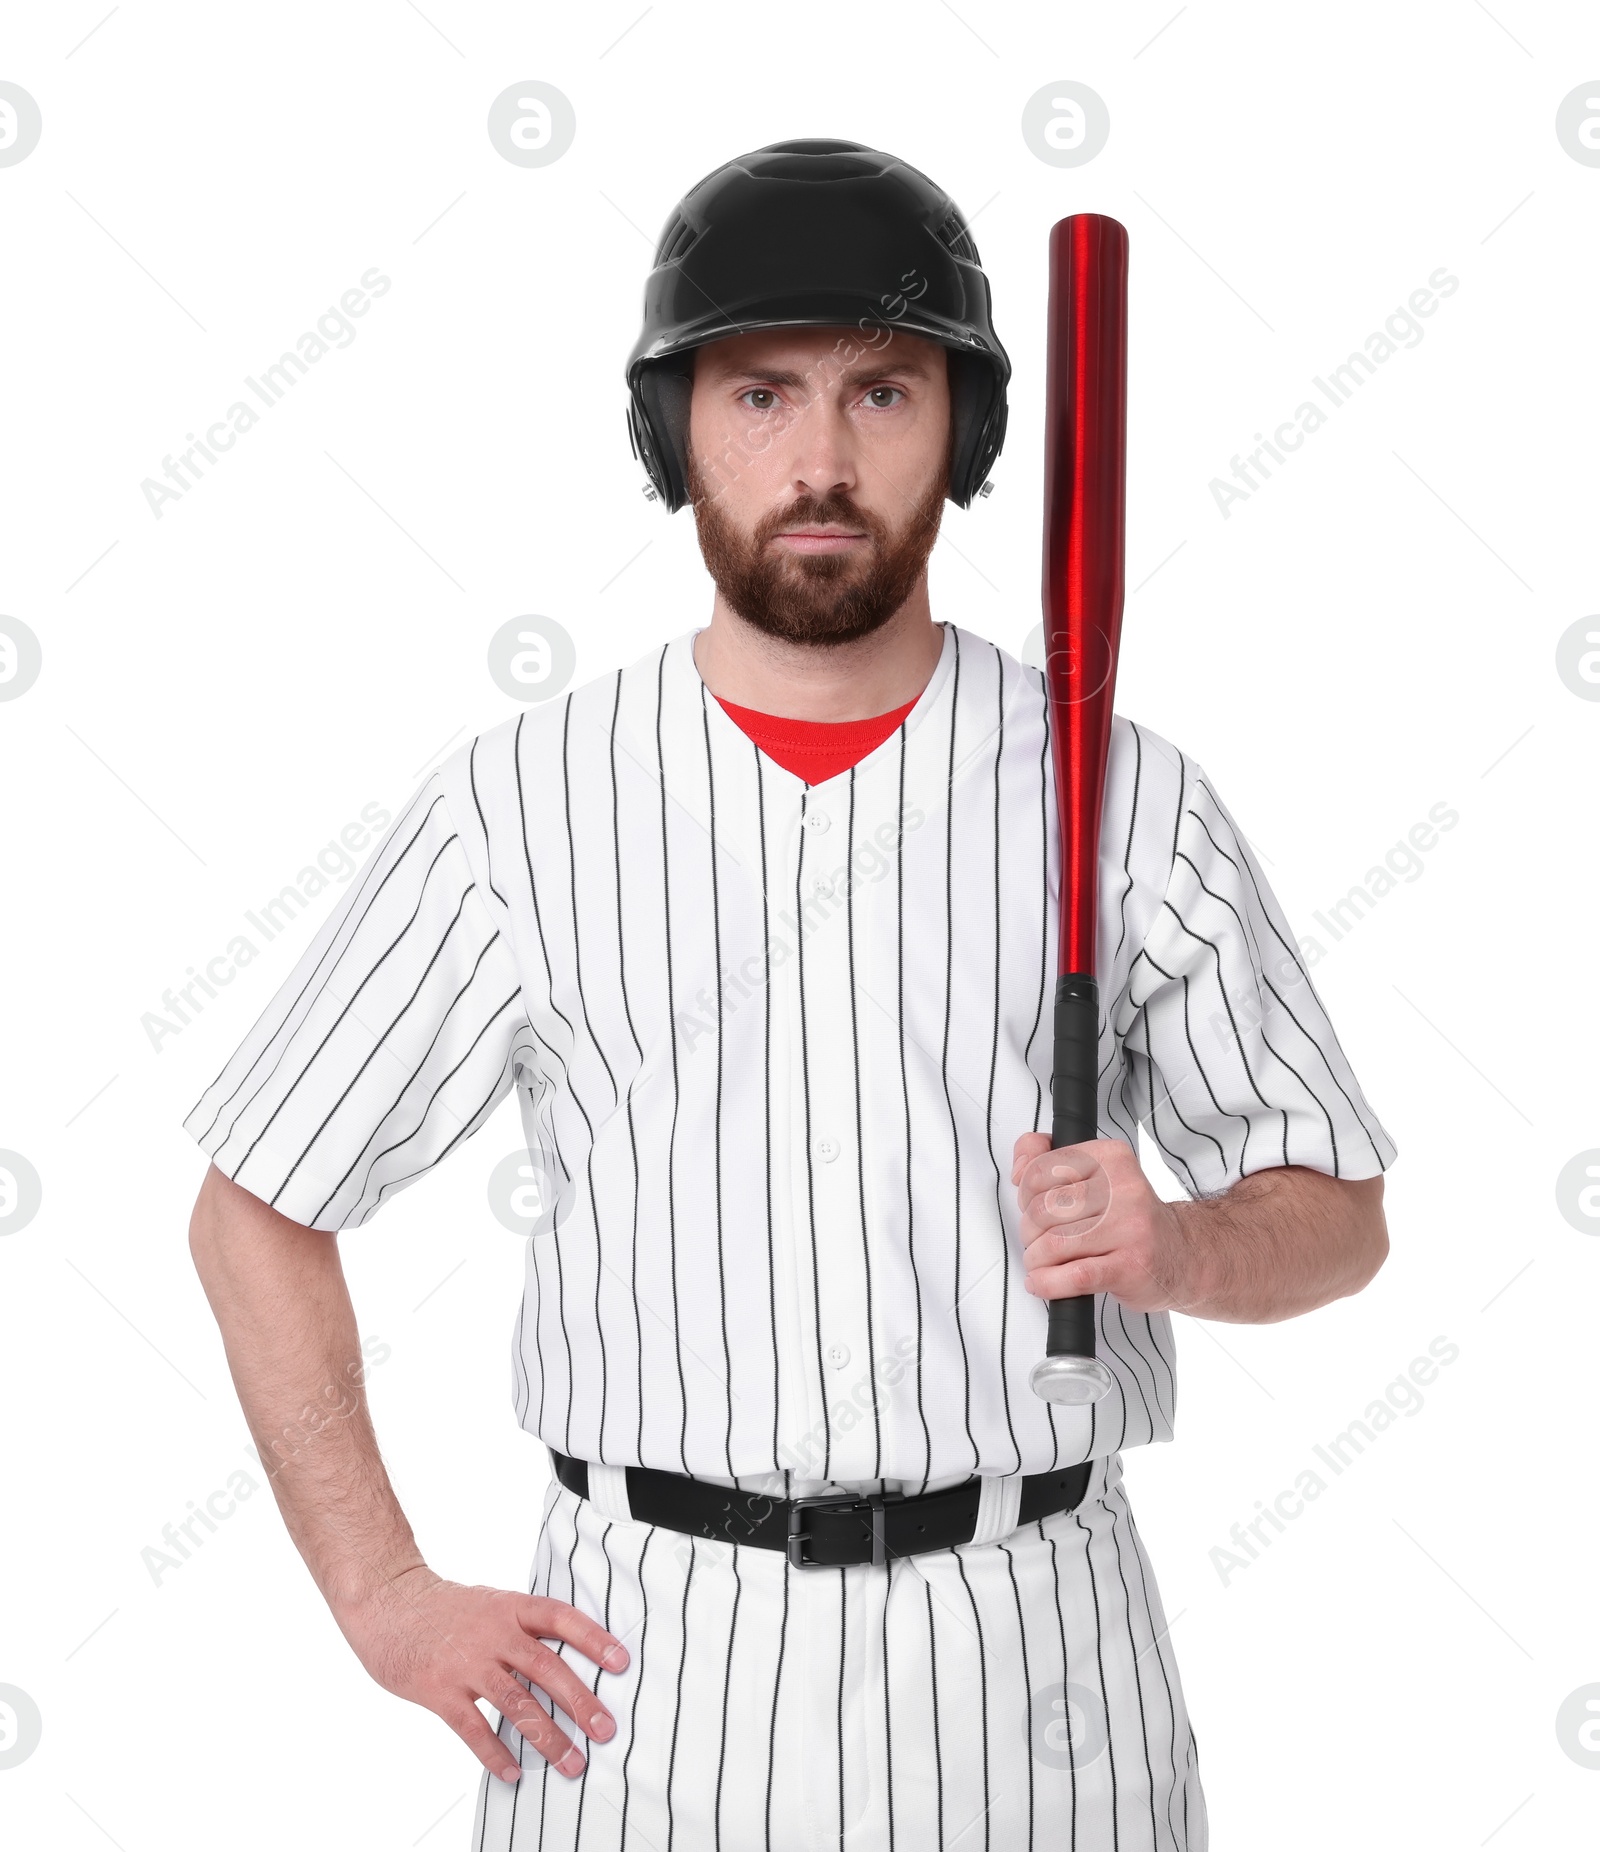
pixel 836 681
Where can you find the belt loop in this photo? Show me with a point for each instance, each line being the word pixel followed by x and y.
pixel 999 1506
pixel 608 1490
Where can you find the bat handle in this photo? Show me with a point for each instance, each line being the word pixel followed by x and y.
pixel 1069 1371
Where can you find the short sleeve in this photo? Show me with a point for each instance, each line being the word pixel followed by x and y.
pixel 392 1040
pixel 1233 1065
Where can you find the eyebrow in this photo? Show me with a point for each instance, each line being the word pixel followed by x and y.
pixel 850 376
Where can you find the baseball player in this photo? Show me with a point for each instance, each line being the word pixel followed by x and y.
pixel 759 929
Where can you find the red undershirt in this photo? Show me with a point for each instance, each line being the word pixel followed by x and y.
pixel 815 750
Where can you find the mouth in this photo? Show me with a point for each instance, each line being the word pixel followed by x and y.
pixel 819 539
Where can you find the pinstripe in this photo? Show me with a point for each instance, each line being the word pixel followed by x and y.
pixel 716 1141
pixel 944 1056
pixel 1027 1681
pixel 672 1133
pixel 839 1765
pixel 805 1099
pixel 638 1052
pixel 589 1021
pixel 566 1062
pixel 638 1688
pixel 562 1653
pixel 855 1063
pixel 888 1729
pixel 605 1618
pixel 766 1087
pixel 539 939
pixel 677 1691
pixel 483 827
pixel 1039 1121
pixel 572 891
pixel 997 883
pixel 1176 1783
pixel 1126 1634
pixel 983 1687
pixel 777 1688
pixel 905 1094
pixel 727 1706
pixel 1066 1674
pixel 938 1740
pixel 1100 1666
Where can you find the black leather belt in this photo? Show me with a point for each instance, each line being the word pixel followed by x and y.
pixel 825 1530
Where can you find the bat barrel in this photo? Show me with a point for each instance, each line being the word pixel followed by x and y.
pixel 1086 392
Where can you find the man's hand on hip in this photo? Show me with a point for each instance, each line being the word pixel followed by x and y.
pixel 444 1645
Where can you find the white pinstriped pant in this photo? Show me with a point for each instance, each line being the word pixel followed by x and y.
pixel 998 1696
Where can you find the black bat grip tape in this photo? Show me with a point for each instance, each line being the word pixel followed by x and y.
pixel 1074 1102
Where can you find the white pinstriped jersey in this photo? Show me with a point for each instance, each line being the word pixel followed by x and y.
pixel 773 1044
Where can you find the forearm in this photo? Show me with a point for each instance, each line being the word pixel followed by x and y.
pixel 1278 1243
pixel 280 1299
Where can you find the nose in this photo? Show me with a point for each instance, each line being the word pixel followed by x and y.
pixel 823 456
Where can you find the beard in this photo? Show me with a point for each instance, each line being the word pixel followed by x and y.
pixel 816 599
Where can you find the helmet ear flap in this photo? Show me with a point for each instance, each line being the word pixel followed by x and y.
pixel 978 422
pixel 658 421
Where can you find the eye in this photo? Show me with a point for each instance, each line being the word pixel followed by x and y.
pixel 878 401
pixel 763 393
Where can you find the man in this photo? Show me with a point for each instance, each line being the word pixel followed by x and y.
pixel 759 929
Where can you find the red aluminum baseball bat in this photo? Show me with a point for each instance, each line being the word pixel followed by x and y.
pixel 1085 495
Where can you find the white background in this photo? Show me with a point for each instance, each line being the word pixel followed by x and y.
pixel 1371 633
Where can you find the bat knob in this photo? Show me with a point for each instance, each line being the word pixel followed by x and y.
pixel 1077 1381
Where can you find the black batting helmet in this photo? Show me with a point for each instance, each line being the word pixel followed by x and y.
pixel 815 234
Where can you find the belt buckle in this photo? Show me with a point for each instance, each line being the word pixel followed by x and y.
pixel 794 1546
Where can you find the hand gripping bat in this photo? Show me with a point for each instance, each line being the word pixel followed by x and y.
pixel 1085 471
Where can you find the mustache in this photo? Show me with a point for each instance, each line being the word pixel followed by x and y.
pixel 818 511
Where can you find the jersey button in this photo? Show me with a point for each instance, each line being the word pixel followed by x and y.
pixel 838 1355
pixel 822 887
pixel 816 820
pixel 827 1149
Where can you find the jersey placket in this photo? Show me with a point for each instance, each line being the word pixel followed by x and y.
pixel 826 1199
